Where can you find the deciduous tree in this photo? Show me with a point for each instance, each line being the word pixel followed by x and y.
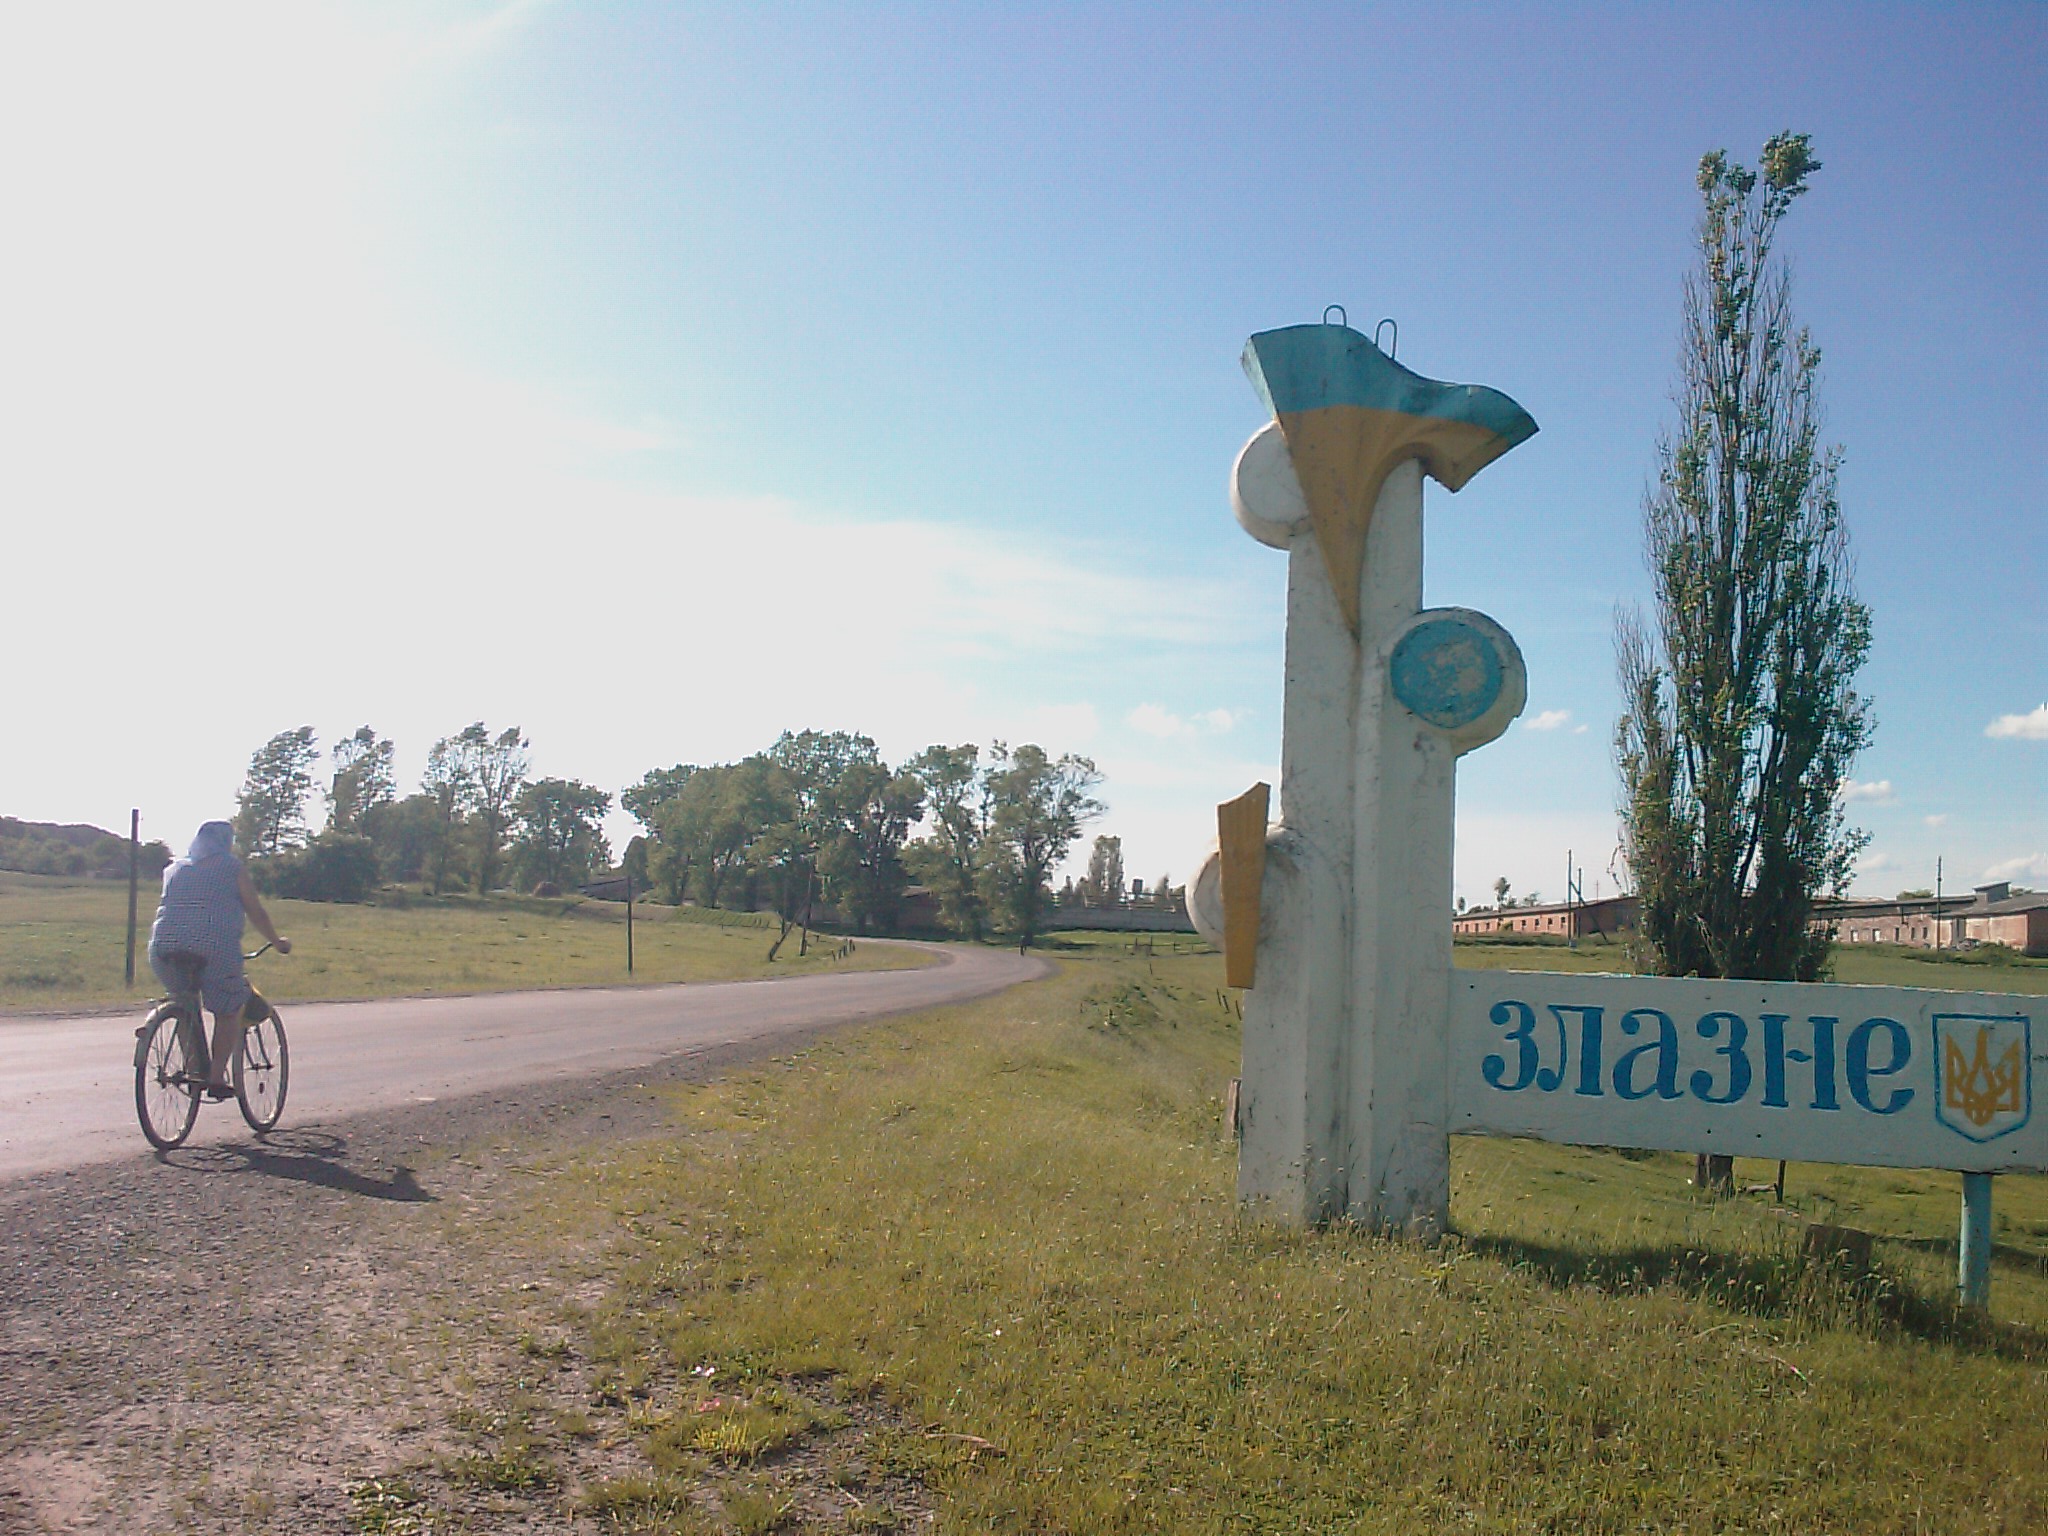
pixel 1103 885
pixel 948 858
pixel 409 835
pixel 1740 717
pixel 560 832
pixel 363 780
pixel 814 764
pixel 446 784
pixel 862 858
pixel 270 812
pixel 489 771
pixel 713 825
pixel 651 797
pixel 1038 807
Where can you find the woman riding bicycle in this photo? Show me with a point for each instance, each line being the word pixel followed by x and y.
pixel 206 896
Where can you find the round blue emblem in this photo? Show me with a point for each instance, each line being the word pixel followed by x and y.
pixel 1447 671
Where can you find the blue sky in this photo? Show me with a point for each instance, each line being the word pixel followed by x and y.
pixel 658 377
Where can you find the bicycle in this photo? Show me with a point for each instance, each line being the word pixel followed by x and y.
pixel 173 1066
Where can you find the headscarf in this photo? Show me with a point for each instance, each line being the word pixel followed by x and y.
pixel 213 839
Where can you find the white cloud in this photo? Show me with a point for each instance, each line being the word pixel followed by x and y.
pixel 2031 866
pixel 1161 722
pixel 1549 720
pixel 1936 821
pixel 1874 862
pixel 1875 792
pixel 1580 730
pixel 2032 726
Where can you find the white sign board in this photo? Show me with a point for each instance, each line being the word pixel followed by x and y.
pixel 1893 1076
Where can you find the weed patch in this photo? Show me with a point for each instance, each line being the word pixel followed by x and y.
pixel 387 1506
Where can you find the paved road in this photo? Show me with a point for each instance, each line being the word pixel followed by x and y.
pixel 67 1084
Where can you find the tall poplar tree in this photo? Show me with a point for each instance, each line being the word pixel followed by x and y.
pixel 1740 718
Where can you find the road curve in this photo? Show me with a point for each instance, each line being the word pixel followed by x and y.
pixel 67 1083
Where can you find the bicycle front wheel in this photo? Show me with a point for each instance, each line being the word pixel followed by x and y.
pixel 262 1073
pixel 168 1076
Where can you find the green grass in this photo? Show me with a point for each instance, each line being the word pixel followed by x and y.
pixel 1988 969
pixel 1016 1222
pixel 62 943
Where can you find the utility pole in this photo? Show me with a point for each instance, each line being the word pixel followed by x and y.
pixel 1937 903
pixel 134 880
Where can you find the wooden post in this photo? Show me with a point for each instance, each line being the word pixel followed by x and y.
pixel 1241 834
pixel 629 920
pixel 1973 1259
pixel 134 880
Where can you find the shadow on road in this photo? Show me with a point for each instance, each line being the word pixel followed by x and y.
pixel 305 1157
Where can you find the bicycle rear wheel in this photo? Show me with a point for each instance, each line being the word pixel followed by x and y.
pixel 263 1072
pixel 169 1069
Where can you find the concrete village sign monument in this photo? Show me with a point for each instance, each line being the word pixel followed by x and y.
pixel 1363 1048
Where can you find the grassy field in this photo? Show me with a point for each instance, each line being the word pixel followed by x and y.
pixel 1871 965
pixel 1015 1224
pixel 62 941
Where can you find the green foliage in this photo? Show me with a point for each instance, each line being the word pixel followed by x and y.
pixel 650 799
pixel 486 772
pixel 870 811
pixel 815 767
pixel 410 836
pixel 270 815
pixel 387 1506
pixel 711 826
pixel 560 839
pixel 1038 805
pixel 45 848
pixel 1740 720
pixel 335 866
pixel 820 818
pixel 363 780
pixel 1104 885
pixel 948 858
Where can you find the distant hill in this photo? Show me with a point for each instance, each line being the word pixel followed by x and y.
pixel 76 849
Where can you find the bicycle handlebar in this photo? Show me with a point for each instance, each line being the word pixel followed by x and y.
pixel 254 953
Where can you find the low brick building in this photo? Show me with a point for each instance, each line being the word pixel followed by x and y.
pixel 1992 914
pixel 1564 920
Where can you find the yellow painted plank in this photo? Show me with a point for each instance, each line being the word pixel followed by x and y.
pixel 1241 834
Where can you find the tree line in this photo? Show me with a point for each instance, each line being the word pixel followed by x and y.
pixel 48 848
pixel 820 818
pixel 816 821
pixel 478 820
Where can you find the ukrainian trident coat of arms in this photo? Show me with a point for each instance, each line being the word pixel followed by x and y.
pixel 1982 1083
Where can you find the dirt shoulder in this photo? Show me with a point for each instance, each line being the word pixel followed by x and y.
pixel 321 1333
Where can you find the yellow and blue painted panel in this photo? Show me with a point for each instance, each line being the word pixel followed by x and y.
pixel 1350 413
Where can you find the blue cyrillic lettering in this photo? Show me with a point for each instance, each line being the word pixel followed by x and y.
pixel 1860 1071
pixel 1589 1046
pixel 1823 1060
pixel 1523 1038
pixel 1709 1027
pixel 1665 1083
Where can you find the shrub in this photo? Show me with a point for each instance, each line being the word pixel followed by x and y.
pixel 335 866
